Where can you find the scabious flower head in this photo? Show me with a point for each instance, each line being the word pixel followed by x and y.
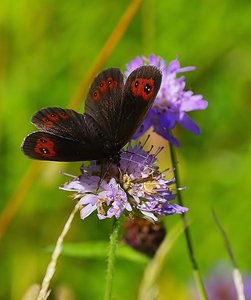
pixel 135 187
pixel 143 235
pixel 172 102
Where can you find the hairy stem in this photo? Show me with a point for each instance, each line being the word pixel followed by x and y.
pixel 111 259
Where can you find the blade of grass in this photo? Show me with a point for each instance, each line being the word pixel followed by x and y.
pixel 148 25
pixel 148 289
pixel 17 198
pixel 238 281
pixel 106 51
pixel 44 291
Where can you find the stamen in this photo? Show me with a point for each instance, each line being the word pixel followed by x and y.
pixel 70 175
pixel 178 189
pixel 146 140
pixel 141 164
pixel 158 151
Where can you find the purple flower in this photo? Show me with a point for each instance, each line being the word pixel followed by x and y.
pixel 135 187
pixel 220 284
pixel 172 102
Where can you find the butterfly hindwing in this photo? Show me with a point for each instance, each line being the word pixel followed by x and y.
pixel 64 135
pixel 47 146
pixel 140 91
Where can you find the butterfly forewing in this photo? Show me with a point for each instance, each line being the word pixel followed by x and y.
pixel 140 91
pixel 61 121
pixel 105 98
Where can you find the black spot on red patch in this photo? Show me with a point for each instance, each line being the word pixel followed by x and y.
pixel 144 88
pixel 52 117
pixel 63 115
pixel 111 83
pixel 45 147
pixel 103 86
pixel 47 122
pixel 96 95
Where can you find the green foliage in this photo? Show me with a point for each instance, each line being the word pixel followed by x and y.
pixel 99 250
pixel 47 48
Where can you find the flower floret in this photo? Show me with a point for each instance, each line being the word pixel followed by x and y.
pixel 140 187
pixel 172 102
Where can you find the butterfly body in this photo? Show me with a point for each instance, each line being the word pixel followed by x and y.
pixel 113 112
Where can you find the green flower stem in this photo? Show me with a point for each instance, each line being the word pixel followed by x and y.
pixel 111 259
pixel 196 272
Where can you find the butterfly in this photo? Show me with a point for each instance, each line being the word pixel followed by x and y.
pixel 114 109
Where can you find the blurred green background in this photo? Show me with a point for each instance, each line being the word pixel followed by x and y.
pixel 47 48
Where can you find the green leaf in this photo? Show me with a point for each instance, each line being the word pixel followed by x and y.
pixel 99 250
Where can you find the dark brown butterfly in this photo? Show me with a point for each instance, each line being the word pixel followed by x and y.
pixel 113 112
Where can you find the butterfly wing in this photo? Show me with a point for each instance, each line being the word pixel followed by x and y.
pixel 47 146
pixel 119 108
pixel 60 121
pixel 64 135
pixel 113 112
pixel 105 98
pixel 140 90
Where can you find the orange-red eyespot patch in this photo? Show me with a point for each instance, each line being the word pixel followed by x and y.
pixel 111 83
pixel 96 95
pixel 47 122
pixel 144 88
pixel 103 86
pixel 45 147
pixel 63 115
pixel 52 117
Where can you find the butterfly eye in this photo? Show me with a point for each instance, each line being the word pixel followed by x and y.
pixel 147 88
